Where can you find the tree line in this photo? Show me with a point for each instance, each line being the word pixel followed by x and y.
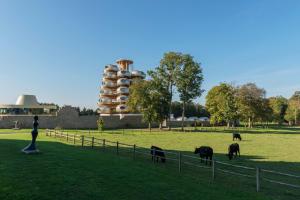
pixel 226 104
pixel 248 103
pixel 191 110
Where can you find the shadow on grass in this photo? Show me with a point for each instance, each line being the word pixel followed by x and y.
pixel 72 170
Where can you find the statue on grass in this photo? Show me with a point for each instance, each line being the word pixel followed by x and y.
pixel 31 148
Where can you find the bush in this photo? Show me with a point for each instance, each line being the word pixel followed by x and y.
pixel 100 124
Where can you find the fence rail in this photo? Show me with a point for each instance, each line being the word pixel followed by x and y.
pixel 258 173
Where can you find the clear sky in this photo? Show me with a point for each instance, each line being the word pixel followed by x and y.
pixel 56 49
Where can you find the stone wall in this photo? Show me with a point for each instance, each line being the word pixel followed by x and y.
pixel 68 118
pixel 129 121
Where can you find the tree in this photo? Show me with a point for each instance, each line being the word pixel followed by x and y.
pixel 188 82
pixel 250 102
pixel 86 111
pixel 165 74
pixel 279 106
pixel 265 113
pixel 146 97
pixel 221 103
pixel 176 109
pixel 293 109
pixel 192 109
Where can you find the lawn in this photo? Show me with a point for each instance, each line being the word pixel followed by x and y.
pixel 63 171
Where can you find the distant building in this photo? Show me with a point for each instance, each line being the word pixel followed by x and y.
pixel 114 90
pixel 27 105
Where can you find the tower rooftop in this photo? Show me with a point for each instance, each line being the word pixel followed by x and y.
pixel 122 60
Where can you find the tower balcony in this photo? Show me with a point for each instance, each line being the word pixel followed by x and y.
pixel 105 109
pixel 108 83
pixel 138 74
pixel 110 75
pixel 123 90
pixel 111 68
pixel 122 108
pixel 123 74
pixel 105 91
pixel 122 99
pixel 105 100
pixel 123 81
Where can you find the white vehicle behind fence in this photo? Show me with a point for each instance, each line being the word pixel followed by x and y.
pixel 180 119
pixel 203 119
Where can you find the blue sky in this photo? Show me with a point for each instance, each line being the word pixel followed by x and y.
pixel 57 49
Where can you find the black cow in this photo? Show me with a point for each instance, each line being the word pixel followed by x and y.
pixel 205 152
pixel 236 135
pixel 233 149
pixel 158 153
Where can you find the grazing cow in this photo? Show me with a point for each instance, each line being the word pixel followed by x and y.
pixel 158 153
pixel 205 152
pixel 236 135
pixel 233 149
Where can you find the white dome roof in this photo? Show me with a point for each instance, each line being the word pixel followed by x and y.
pixel 27 100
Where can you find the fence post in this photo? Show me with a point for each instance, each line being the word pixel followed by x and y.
pixel 55 134
pixel 82 140
pixel 153 156
pixel 74 138
pixel 134 147
pixel 67 137
pixel 103 143
pixel 117 148
pixel 213 169
pixel 93 142
pixel 179 162
pixel 257 179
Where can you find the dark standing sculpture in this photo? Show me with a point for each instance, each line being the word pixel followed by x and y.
pixel 31 148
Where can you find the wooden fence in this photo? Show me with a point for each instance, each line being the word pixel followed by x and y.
pixel 254 173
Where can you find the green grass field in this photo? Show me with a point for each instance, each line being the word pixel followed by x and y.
pixel 64 171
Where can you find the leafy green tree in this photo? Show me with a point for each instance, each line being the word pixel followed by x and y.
pixel 265 113
pixel 221 103
pixel 188 82
pixel 165 74
pixel 176 109
pixel 293 109
pixel 146 98
pixel 250 100
pixel 279 106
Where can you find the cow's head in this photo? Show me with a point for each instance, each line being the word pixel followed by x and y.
pixel 197 150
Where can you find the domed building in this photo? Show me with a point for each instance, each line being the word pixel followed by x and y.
pixel 114 91
pixel 27 105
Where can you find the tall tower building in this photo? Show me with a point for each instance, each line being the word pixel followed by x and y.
pixel 114 90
